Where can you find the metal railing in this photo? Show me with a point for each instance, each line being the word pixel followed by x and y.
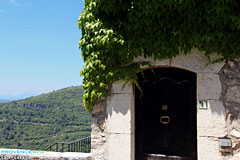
pixel 80 145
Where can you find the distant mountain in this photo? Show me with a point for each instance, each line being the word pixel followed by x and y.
pixel 11 97
pixel 4 101
pixel 37 122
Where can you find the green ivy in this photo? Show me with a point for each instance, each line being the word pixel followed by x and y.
pixel 114 32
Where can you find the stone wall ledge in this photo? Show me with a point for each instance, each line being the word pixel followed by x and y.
pixel 42 155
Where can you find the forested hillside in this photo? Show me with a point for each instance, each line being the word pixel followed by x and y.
pixel 37 122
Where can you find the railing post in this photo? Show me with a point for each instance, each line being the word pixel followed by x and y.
pixel 81 146
pixel 85 148
pixel 56 147
pixel 68 147
pixel 88 144
pixel 77 146
pixel 62 147
pixel 73 147
pixel 74 144
pixel 84 145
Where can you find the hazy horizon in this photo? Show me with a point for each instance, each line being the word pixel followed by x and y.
pixel 18 93
pixel 23 95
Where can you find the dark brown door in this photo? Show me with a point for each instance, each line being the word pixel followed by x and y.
pixel 166 115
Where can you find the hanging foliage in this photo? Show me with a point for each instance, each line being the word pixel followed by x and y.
pixel 114 32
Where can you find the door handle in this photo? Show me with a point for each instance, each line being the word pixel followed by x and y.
pixel 165 119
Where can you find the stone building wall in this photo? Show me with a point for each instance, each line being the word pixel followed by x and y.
pixel 230 79
pixel 112 125
pixel 98 134
pixel 218 88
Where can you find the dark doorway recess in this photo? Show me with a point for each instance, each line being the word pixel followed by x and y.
pixel 166 126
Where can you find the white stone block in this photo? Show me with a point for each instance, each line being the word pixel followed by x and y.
pixel 216 67
pixel 208 148
pixel 213 68
pixel 119 107
pixel 153 62
pixel 208 86
pixel 197 62
pixel 118 87
pixel 211 122
pixel 76 156
pixel 119 147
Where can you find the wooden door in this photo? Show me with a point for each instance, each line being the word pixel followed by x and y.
pixel 165 115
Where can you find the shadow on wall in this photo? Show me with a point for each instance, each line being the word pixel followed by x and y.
pixel 120 98
pixel 211 106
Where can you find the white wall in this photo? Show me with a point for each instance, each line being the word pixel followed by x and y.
pixel 211 124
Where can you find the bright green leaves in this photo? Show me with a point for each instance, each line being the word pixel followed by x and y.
pixel 114 32
pixel 102 49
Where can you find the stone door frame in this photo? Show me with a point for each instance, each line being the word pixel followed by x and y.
pixel 117 135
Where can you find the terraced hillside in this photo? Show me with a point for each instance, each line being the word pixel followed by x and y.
pixel 37 122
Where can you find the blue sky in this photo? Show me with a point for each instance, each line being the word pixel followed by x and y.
pixel 39 45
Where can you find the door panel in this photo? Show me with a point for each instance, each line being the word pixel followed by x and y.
pixel 166 115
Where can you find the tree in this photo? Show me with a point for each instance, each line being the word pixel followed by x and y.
pixel 115 32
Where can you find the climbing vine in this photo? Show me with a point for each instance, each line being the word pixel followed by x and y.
pixel 114 32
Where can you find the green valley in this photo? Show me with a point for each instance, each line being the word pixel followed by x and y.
pixel 37 122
